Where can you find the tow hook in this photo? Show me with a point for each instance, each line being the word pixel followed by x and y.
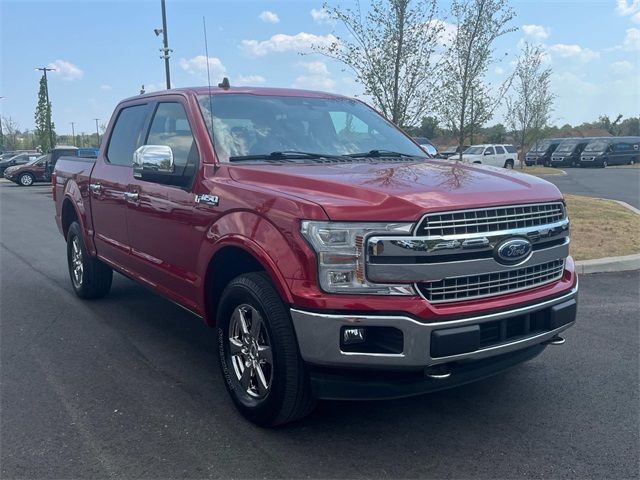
pixel 437 372
pixel 557 340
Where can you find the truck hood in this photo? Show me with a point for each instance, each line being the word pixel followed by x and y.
pixel 398 191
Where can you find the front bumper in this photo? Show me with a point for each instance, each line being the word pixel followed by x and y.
pixel 427 344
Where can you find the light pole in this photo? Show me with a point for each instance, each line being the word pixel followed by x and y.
pixel 73 133
pixel 97 132
pixel 44 71
pixel 165 42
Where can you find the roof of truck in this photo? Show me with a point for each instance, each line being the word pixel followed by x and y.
pixel 279 92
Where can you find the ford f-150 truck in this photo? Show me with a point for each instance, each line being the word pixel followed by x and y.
pixel 335 259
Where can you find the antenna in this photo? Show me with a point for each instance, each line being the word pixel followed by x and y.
pixel 206 51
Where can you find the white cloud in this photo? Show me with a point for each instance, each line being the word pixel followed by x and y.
pixel 570 84
pixel 321 16
pixel 632 40
pixel 154 87
pixel 629 8
pixel 537 32
pixel 622 67
pixel 448 31
pixel 66 70
pixel 269 17
pixel 105 88
pixel 281 42
pixel 316 76
pixel 198 66
pixel 251 79
pixel 499 71
pixel 562 50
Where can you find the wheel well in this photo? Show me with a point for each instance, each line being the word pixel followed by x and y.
pixel 68 216
pixel 226 265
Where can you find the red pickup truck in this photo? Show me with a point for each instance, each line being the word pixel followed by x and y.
pixel 334 257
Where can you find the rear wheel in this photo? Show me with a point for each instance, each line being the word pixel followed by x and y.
pixel 26 180
pixel 258 350
pixel 508 164
pixel 90 277
pixel 604 164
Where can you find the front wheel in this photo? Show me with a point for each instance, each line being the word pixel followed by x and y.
pixel 508 164
pixel 258 351
pixel 90 277
pixel 26 180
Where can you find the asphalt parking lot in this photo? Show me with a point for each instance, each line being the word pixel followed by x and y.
pixel 617 183
pixel 129 386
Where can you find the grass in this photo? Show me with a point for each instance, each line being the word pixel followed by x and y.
pixel 539 170
pixel 602 228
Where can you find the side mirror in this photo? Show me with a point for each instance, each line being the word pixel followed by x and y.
pixel 153 159
pixel 488 153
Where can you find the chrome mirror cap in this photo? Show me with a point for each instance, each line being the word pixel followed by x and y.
pixel 153 158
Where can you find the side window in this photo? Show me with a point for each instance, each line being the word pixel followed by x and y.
pixel 489 151
pixel 499 149
pixel 621 147
pixel 170 127
pixel 126 134
pixel 22 159
pixel 511 149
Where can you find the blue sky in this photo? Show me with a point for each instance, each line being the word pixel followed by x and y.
pixel 105 51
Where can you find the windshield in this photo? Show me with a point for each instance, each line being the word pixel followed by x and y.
pixel 451 149
pixel 567 146
pixel 259 125
pixel 597 146
pixel 541 146
pixel 474 151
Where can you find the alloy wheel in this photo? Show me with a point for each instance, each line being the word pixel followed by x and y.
pixel 77 268
pixel 250 350
pixel 26 180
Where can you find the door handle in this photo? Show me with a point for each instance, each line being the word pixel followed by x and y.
pixel 95 187
pixel 131 196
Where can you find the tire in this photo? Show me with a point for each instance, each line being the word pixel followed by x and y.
pixel 90 278
pixel 604 164
pixel 26 180
pixel 252 300
pixel 632 161
pixel 508 164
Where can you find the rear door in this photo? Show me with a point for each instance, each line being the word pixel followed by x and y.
pixel 501 156
pixel 109 182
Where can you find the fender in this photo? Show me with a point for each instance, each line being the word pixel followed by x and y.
pixel 74 195
pixel 281 259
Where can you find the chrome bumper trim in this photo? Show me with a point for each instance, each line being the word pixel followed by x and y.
pixel 319 336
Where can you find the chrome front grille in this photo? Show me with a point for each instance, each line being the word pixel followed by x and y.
pixel 490 284
pixel 487 220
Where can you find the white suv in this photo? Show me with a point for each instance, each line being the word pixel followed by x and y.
pixel 495 155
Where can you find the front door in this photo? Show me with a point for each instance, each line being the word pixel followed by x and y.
pixel 165 226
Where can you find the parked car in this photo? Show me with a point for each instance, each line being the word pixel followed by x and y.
pixel 452 151
pixel 426 145
pixel 29 173
pixel 541 152
pixel 567 154
pixel 334 259
pixel 88 152
pixel 605 151
pixel 19 159
pixel 495 155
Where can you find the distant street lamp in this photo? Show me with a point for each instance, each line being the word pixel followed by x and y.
pixel 73 133
pixel 97 131
pixel 44 71
pixel 165 42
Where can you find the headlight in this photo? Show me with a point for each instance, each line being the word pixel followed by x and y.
pixel 340 248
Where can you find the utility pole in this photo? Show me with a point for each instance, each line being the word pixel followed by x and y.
pixel 73 133
pixel 165 41
pixel 97 132
pixel 44 71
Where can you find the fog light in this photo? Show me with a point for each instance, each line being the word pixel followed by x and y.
pixel 340 278
pixel 351 336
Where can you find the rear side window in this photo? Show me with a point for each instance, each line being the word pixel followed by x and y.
pixel 499 149
pixel 125 138
pixel 510 148
pixel 622 147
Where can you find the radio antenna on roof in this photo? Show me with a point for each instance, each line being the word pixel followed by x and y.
pixel 206 51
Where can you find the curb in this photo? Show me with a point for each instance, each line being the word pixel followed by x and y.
pixel 609 264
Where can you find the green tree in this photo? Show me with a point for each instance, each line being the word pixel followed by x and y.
pixel 466 102
pixel 391 49
pixel 42 119
pixel 429 128
pixel 495 134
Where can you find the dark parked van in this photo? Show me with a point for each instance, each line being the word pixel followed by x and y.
pixel 601 152
pixel 568 152
pixel 541 152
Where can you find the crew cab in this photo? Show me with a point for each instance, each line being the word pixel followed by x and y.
pixel 333 257
pixel 495 155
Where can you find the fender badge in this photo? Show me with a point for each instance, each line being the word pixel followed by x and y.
pixel 212 200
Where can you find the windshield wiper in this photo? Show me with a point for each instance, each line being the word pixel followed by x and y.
pixel 286 155
pixel 382 153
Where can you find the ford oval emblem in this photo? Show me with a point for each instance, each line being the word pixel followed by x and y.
pixel 513 250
